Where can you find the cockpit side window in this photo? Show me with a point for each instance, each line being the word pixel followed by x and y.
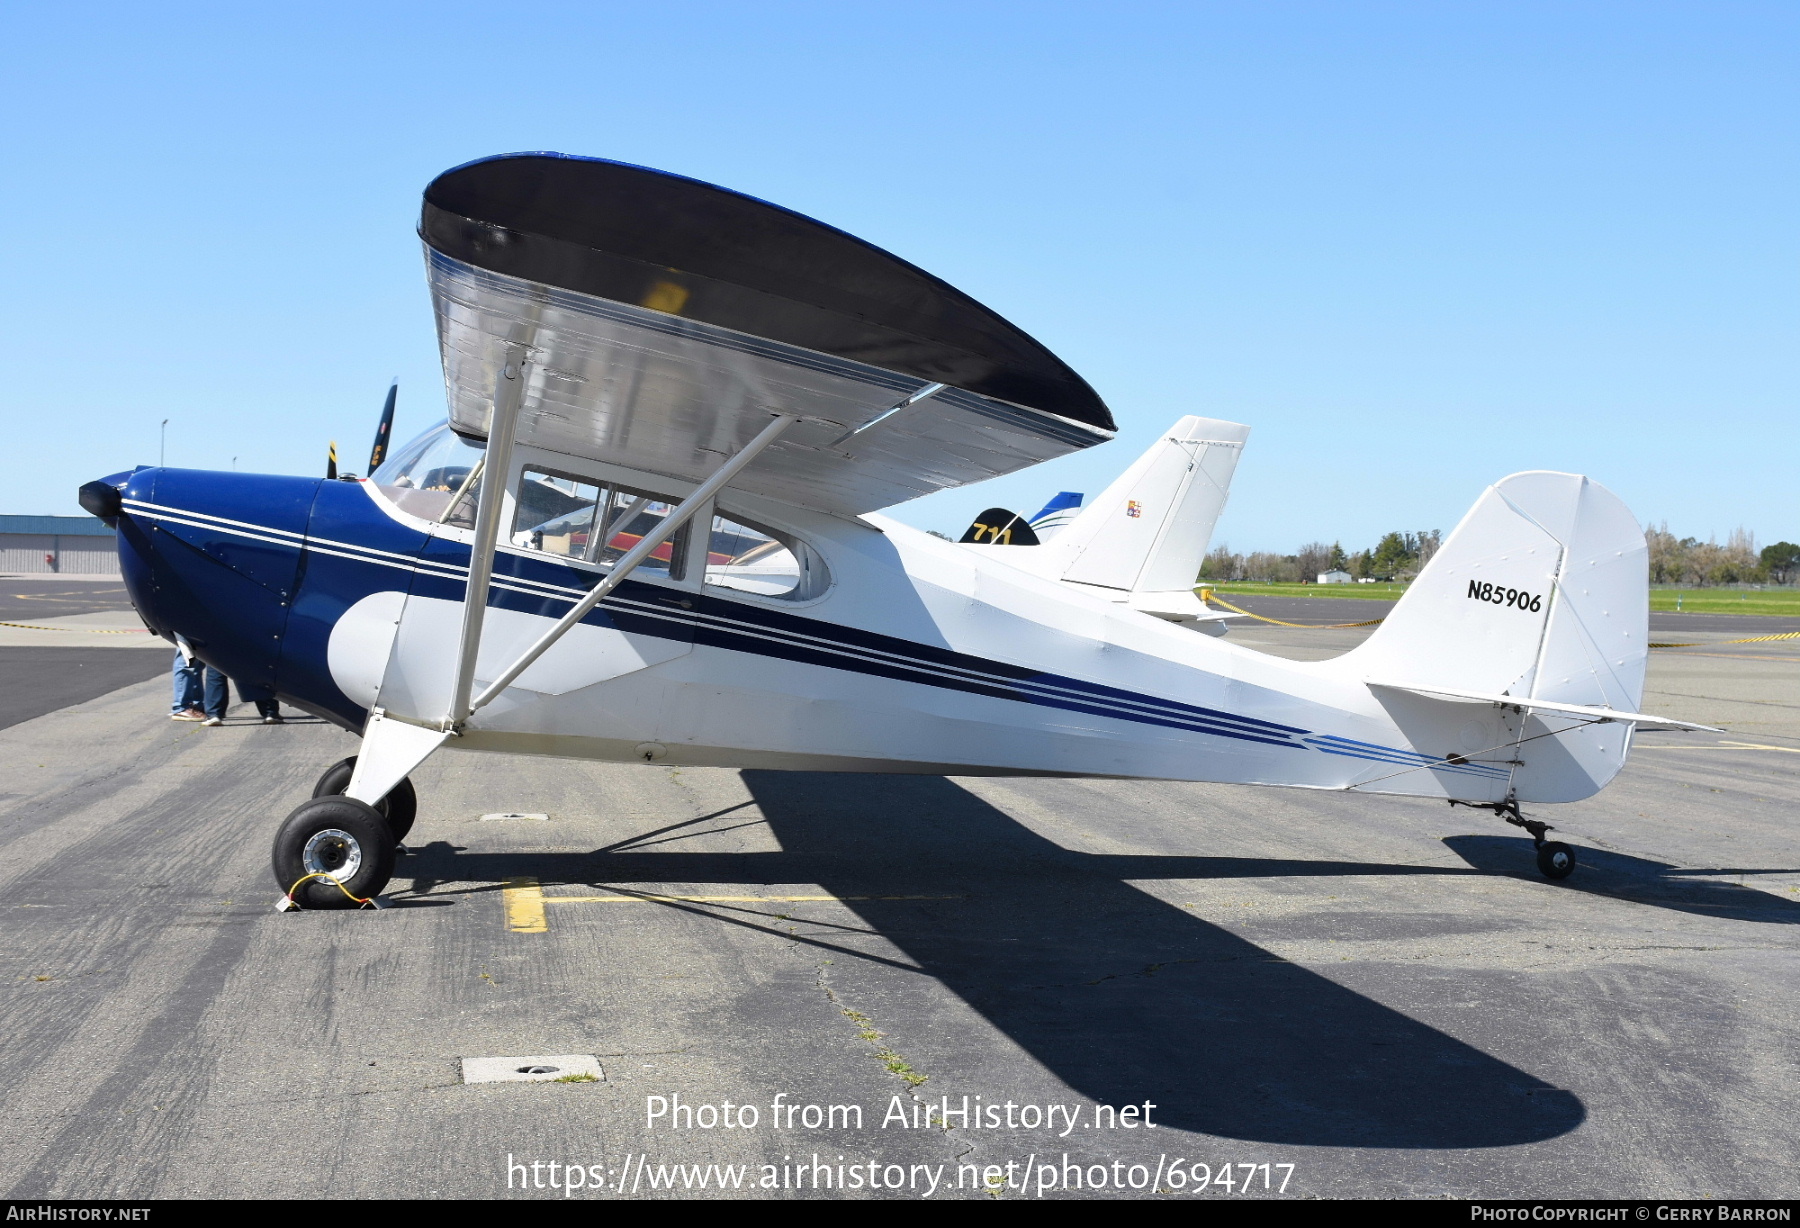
pixel 753 558
pixel 555 514
pixel 578 518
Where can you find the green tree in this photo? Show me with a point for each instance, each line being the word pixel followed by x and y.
pixel 1313 558
pixel 1781 561
pixel 1220 565
pixel 1392 555
pixel 1339 560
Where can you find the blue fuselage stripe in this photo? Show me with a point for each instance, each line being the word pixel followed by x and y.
pixel 648 609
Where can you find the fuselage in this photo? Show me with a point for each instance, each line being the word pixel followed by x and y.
pixel 918 655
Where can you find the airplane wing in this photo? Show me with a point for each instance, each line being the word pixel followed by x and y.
pixel 665 320
pixel 1541 705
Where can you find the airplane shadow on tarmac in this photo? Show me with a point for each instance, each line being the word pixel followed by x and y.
pixel 1120 995
pixel 1636 879
pixel 1125 997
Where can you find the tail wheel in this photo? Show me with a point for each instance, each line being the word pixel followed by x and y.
pixel 1556 859
pixel 400 807
pixel 333 852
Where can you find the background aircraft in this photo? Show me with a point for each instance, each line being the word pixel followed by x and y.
pixel 1141 542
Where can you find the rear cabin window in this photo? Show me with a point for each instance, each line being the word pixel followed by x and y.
pixel 753 559
pixel 576 518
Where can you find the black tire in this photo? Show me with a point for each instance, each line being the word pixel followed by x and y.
pixel 334 834
pixel 400 807
pixel 1556 859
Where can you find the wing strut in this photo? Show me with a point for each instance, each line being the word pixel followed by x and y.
pixel 923 394
pixel 393 747
pixel 509 395
pixel 670 524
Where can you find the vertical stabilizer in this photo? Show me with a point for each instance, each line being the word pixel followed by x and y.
pixel 1147 533
pixel 1542 592
pixel 1056 514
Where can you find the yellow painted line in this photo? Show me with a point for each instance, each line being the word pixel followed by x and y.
pixel 525 906
pixel 648 898
pixel 1792 750
pixel 1755 639
pixel 1215 599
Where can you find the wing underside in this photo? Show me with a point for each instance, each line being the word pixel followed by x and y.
pixel 630 363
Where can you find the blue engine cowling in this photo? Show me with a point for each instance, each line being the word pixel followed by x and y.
pixel 214 558
pixel 254 570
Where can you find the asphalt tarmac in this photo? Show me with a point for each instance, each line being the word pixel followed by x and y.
pixel 28 599
pixel 1381 993
pixel 42 670
pixel 40 680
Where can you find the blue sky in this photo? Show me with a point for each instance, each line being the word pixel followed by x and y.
pixel 1415 246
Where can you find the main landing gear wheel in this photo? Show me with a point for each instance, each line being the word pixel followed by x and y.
pixel 1555 859
pixel 334 852
pixel 400 807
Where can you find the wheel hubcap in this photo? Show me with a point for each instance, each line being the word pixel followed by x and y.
pixel 334 852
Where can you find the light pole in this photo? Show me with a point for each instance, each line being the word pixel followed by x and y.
pixel 162 444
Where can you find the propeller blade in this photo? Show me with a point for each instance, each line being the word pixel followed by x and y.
pixel 379 452
pixel 331 464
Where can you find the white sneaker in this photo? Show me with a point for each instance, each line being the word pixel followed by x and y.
pixel 213 720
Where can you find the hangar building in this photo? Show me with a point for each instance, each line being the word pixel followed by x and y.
pixel 49 545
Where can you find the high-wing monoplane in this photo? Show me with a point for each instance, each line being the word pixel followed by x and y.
pixel 650 530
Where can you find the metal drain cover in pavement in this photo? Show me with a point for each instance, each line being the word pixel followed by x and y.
pixel 538 1069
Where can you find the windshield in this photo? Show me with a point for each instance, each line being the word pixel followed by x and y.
pixel 425 475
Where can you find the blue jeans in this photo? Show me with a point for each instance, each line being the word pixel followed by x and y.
pixel 263 697
pixel 199 686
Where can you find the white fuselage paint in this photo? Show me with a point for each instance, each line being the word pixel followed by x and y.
pixel 605 694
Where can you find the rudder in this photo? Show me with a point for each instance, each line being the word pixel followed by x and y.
pixel 1542 592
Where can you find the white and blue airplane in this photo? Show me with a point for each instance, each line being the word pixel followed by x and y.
pixel 650 531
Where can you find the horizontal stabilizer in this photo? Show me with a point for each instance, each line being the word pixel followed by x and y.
pixel 1176 606
pixel 1640 719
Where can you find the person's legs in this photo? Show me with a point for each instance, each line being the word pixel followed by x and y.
pixel 186 679
pixel 177 703
pixel 267 706
pixel 218 698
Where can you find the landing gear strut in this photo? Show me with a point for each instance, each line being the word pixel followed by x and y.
pixel 1555 859
pixel 400 807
